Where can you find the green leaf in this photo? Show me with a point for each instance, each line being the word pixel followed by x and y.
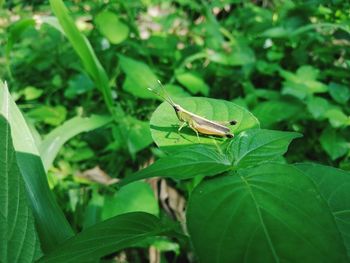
pixel 188 162
pixel 53 141
pixel 317 106
pixel 272 112
pixel 134 197
pixel 138 136
pixel 164 122
pixel 333 185
pixel 109 236
pixel 19 241
pixel 32 93
pixel 85 52
pixel 51 224
pixel 240 56
pixel 193 83
pixel 111 27
pixel 303 83
pixel 139 78
pixel 334 143
pixel 340 93
pixel 255 146
pixel 78 85
pixel 262 213
pixel 337 118
pixel 48 115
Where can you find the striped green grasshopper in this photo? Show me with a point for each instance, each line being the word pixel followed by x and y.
pixel 197 123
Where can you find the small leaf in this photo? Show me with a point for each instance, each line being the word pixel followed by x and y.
pixel 340 93
pixel 317 106
pixel 261 215
pixel 78 85
pixel 272 112
pixel 49 115
pixel 19 241
pixel 337 118
pixel 134 197
pixel 32 93
pixel 193 83
pixel 111 27
pixel 139 78
pixel 255 146
pixel 165 124
pixel 109 236
pixel 334 143
pixel 188 162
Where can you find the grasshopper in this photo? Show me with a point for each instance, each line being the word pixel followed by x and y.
pixel 197 123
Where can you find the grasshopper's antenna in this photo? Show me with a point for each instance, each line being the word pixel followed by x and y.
pixel 164 95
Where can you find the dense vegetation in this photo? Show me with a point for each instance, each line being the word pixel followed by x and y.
pixel 92 165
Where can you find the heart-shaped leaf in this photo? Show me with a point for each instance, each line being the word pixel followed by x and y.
pixel 271 213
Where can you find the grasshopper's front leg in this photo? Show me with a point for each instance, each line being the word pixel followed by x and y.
pixel 181 126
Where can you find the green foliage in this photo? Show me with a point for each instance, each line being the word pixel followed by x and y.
pixel 86 129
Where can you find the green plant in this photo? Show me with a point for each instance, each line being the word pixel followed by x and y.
pixel 101 170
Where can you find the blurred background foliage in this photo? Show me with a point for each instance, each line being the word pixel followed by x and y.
pixel 286 61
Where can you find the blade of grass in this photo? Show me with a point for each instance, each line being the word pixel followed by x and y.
pixel 52 226
pixel 56 138
pixel 85 52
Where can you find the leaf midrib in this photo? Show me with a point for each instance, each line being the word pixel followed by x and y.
pixel 268 238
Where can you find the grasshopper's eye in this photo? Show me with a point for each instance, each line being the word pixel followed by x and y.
pixel 176 108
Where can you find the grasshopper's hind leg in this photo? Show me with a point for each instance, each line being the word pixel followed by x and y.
pixel 194 129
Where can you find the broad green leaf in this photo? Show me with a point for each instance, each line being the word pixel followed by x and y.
pixel 84 50
pixel 111 27
pixel 139 77
pixel 193 83
pixel 48 115
pixel 114 234
pixel 53 141
pixel 255 146
pixel 164 122
pixel 188 162
pixel 19 241
pixel 333 185
pixel 272 112
pixel 340 93
pixel 272 212
pixel 334 143
pixel 134 197
pixel 51 224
